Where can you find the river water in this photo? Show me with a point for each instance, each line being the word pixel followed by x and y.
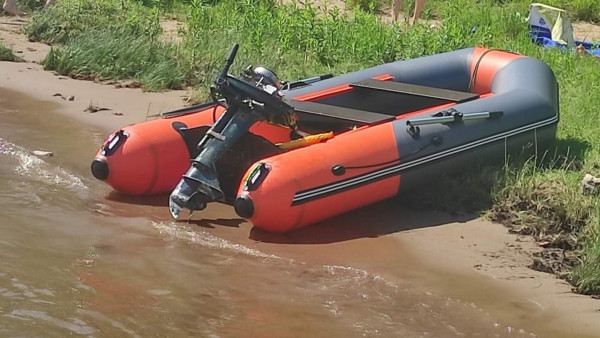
pixel 77 259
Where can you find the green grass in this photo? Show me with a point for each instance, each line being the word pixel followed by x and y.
pixel 123 56
pixel 30 5
pixel 63 22
pixel 6 54
pixel 114 39
pixel 369 6
pixel 583 10
pixel 586 275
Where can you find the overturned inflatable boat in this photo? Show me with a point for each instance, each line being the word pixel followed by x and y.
pixel 289 155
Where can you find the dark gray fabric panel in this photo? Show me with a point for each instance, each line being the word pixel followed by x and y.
pixel 493 153
pixel 447 70
pixel 525 90
pixel 527 74
pixel 519 108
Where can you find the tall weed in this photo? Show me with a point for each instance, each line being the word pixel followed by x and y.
pixel 61 23
pixel 584 10
pixel 6 54
pixel 586 276
pixel 121 57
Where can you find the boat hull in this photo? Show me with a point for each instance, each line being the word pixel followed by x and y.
pixel 523 89
pixel 150 158
pixel 396 127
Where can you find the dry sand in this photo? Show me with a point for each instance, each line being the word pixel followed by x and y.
pixel 470 258
pixel 585 31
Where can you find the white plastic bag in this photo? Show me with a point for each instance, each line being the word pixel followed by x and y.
pixel 551 22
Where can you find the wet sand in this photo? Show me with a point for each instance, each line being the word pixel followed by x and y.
pixel 468 259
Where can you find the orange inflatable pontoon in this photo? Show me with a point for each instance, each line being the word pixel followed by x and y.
pixel 289 155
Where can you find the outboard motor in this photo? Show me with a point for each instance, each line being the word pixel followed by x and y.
pixel 263 78
pixel 252 98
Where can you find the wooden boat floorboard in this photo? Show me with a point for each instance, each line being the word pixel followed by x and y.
pixel 411 89
pixel 347 114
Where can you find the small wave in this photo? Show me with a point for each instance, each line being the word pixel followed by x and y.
pixel 20 290
pixel 332 272
pixel 115 323
pixel 358 275
pixel 77 326
pixel 355 297
pixel 34 167
pixel 183 232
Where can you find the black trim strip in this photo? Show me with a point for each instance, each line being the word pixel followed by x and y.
pixel 357 181
pixel 347 114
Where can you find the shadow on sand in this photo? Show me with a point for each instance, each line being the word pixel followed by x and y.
pixel 224 222
pixel 386 217
pixel 379 219
pixel 160 200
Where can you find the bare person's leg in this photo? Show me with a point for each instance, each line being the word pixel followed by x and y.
pixel 47 3
pixel 10 6
pixel 396 6
pixel 418 9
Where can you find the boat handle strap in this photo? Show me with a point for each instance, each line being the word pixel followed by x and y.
pixel 453 116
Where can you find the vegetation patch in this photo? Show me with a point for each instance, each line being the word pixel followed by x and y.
pixel 122 56
pixel 62 22
pixel 583 10
pixel 6 54
pixel 547 204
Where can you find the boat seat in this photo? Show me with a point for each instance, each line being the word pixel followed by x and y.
pixel 411 89
pixel 341 113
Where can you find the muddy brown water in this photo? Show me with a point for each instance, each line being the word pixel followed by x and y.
pixel 78 259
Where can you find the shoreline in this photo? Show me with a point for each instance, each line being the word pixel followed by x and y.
pixel 450 252
pixel 470 259
pixel 467 258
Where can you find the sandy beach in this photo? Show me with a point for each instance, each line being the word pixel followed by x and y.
pixel 467 258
